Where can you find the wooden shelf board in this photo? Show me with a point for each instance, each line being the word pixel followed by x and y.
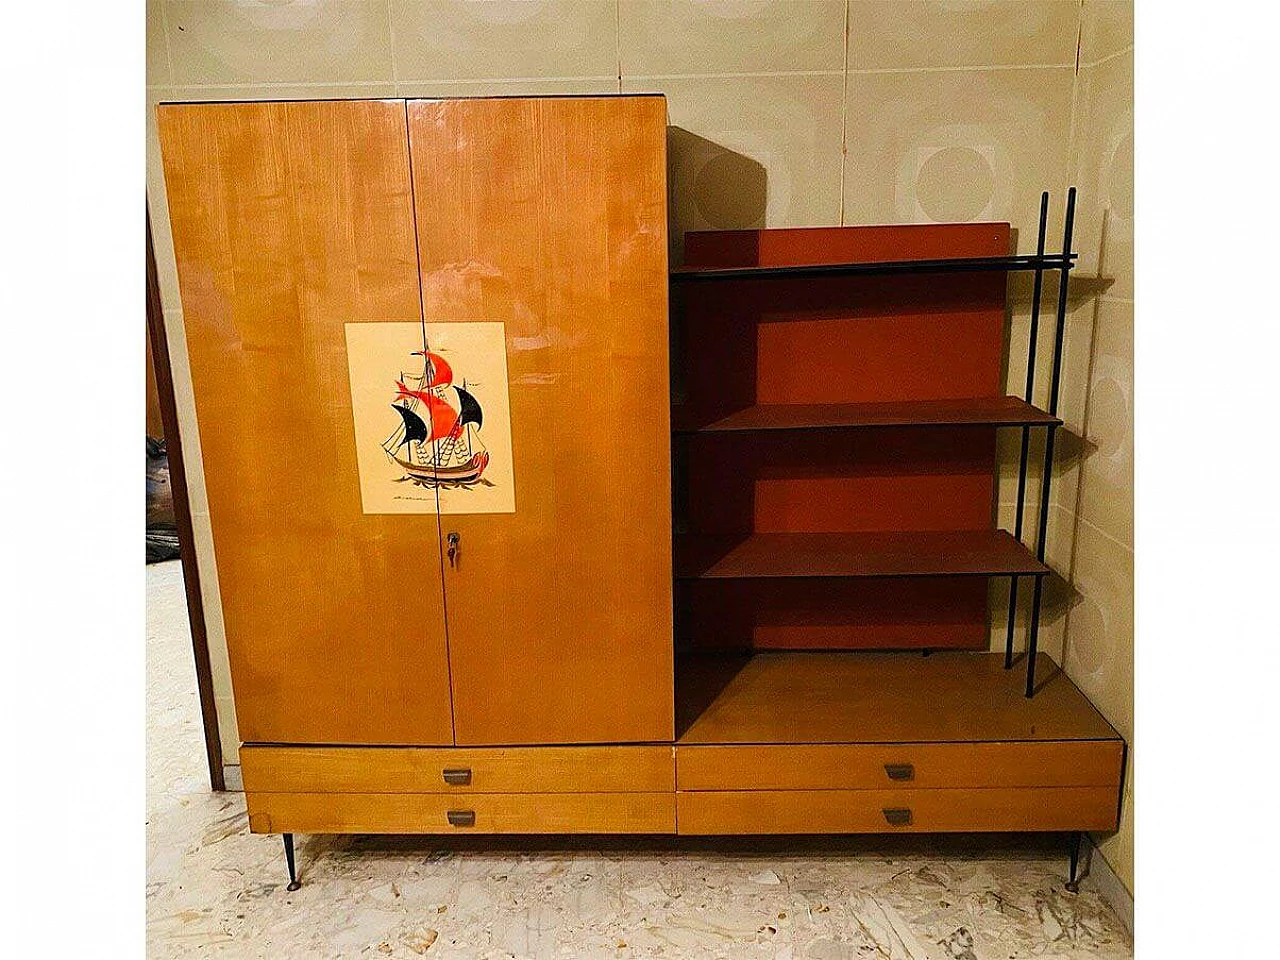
pixel 980 411
pixel 878 698
pixel 896 554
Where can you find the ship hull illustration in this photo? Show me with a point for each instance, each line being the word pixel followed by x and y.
pixel 462 475
pixel 437 442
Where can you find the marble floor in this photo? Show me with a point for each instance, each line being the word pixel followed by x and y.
pixel 215 890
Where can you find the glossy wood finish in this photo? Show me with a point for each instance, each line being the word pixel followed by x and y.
pixel 900 766
pixel 550 216
pixel 549 813
pixel 979 411
pixel 929 811
pixel 906 554
pixel 289 220
pixel 614 769
pixel 878 698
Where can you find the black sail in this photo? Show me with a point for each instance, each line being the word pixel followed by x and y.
pixel 471 412
pixel 414 427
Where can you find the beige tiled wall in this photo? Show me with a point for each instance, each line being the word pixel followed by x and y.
pixel 1096 502
pixel 782 114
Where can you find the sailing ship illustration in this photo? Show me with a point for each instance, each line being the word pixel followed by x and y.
pixel 437 441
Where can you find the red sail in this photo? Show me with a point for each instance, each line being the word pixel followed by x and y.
pixel 441 372
pixel 443 416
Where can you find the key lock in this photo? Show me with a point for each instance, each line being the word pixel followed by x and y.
pixel 454 549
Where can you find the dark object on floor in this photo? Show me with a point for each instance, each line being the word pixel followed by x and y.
pixel 162 529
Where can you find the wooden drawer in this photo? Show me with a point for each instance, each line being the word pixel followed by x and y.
pixel 624 769
pixel 433 813
pixel 1063 763
pixel 897 811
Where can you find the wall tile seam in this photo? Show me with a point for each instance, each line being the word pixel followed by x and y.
pixel 1089 64
pixel 391 39
pixel 270 84
pixel 732 75
pixel 617 41
pixel 1077 515
pixel 966 68
pixel 168 47
pixel 844 113
pixel 327 84
pixel 1116 541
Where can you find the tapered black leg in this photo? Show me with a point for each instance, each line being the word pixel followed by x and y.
pixel 1073 884
pixel 288 856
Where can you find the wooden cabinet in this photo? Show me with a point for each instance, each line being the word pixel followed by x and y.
pixel 542 218
pixel 429 348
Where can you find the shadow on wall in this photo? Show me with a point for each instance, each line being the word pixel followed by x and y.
pixel 710 188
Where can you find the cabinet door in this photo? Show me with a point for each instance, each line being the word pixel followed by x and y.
pixel 548 216
pixel 291 220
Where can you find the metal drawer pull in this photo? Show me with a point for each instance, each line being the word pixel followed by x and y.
pixel 462 818
pixel 898 817
pixel 459 777
pixel 900 771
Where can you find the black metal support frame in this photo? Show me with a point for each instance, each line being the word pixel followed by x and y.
pixel 1062 263
pixel 294 882
pixel 1046 479
pixel 1073 881
pixel 1032 342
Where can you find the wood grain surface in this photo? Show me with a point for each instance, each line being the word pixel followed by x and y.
pixel 613 769
pixel 879 698
pixel 927 811
pixel 550 216
pixel 493 813
pixel 289 220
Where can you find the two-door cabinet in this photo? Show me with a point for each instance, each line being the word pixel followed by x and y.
pixel 497 270
pixel 479 574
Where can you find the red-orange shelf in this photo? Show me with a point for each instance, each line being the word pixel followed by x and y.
pixel 979 411
pixel 950 553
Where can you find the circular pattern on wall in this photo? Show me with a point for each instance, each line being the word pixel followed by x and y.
pixel 1120 177
pixel 955 185
pixel 1089 626
pixel 729 191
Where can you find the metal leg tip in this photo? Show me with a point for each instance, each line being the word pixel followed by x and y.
pixel 1073 886
pixel 294 885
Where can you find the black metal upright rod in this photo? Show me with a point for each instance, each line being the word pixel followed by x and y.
pixel 1046 480
pixel 288 858
pixel 1032 341
pixel 1073 878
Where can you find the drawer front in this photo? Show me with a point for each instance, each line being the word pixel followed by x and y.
pixel 431 813
pixel 897 811
pixel 1075 763
pixel 625 769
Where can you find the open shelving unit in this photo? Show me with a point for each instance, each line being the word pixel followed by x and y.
pixel 836 396
pixel 790 463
